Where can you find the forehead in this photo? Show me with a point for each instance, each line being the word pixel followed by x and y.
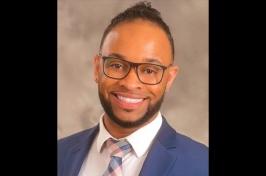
pixel 138 41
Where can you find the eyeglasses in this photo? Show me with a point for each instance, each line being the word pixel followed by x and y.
pixel 147 73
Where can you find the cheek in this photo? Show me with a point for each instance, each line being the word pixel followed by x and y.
pixel 157 91
pixel 105 85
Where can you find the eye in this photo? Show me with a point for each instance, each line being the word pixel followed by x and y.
pixel 149 71
pixel 116 65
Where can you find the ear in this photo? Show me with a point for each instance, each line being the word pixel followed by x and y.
pixel 96 67
pixel 172 73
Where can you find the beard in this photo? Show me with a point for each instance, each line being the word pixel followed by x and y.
pixel 151 111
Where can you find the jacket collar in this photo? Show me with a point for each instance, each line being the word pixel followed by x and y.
pixel 162 154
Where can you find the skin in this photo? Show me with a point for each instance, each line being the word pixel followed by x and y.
pixel 136 41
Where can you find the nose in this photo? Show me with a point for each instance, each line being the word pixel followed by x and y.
pixel 131 81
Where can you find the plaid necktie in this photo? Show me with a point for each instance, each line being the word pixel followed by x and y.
pixel 117 150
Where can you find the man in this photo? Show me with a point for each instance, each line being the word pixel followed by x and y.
pixel 133 70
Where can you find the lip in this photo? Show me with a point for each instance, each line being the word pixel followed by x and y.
pixel 121 102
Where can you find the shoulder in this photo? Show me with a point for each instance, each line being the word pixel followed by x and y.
pixel 191 148
pixel 170 137
pixel 80 141
pixel 188 144
pixel 76 138
pixel 192 157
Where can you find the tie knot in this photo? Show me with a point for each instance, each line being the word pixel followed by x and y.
pixel 118 148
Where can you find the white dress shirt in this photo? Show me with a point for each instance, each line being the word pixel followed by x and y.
pixel 98 157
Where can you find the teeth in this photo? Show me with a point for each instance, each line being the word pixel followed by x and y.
pixel 129 100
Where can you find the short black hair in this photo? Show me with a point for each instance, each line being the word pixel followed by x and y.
pixel 141 10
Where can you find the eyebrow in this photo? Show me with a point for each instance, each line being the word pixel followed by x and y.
pixel 146 60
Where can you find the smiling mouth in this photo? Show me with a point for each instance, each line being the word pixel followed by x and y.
pixel 127 101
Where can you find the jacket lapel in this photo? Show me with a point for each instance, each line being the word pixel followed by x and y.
pixel 78 153
pixel 162 155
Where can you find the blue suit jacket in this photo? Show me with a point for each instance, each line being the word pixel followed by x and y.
pixel 171 154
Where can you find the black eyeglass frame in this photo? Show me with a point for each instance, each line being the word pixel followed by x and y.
pixel 135 65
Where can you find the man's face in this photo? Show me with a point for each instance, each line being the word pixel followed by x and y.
pixel 129 103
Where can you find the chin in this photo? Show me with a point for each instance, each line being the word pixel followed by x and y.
pixel 129 116
pixel 129 119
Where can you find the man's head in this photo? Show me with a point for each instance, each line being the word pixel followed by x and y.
pixel 131 93
pixel 141 10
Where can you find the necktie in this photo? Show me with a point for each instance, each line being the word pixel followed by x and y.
pixel 117 150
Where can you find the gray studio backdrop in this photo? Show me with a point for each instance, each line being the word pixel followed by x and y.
pixel 80 27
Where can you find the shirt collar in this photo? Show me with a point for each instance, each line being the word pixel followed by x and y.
pixel 103 135
pixel 145 134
